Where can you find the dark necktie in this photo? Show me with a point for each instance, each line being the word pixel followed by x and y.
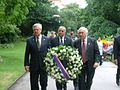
pixel 38 43
pixel 61 41
pixel 83 51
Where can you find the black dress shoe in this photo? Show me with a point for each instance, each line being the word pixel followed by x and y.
pixel 118 83
pixel 65 88
pixel 76 88
pixel 100 64
pixel 43 88
pixel 118 80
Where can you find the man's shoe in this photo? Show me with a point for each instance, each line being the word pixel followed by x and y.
pixel 43 88
pixel 118 79
pixel 65 88
pixel 118 82
pixel 76 88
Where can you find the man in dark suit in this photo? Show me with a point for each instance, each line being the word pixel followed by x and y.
pixel 36 49
pixel 61 39
pixel 117 58
pixel 89 51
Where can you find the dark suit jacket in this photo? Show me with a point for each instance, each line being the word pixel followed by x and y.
pixel 55 41
pixel 92 51
pixel 34 57
pixel 117 48
pixel 67 42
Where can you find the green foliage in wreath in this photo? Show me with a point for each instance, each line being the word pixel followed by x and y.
pixel 72 57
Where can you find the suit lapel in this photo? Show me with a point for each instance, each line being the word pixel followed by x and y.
pixel 42 41
pixel 57 41
pixel 88 44
pixel 79 44
pixel 65 40
pixel 34 42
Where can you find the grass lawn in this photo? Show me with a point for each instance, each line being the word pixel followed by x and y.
pixel 11 64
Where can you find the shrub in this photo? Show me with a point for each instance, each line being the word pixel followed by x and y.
pixel 108 28
pixel 8 33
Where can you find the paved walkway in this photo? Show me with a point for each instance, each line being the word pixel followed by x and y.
pixel 104 79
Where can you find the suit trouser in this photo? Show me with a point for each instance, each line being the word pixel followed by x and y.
pixel 61 86
pixel 118 74
pixel 75 83
pixel 34 77
pixel 85 78
pixel 101 60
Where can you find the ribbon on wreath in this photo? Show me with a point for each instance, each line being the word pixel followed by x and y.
pixel 62 68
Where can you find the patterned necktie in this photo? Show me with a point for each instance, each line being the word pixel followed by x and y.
pixel 83 51
pixel 61 41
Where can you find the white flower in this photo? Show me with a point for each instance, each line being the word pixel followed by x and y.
pixel 64 50
pixel 52 52
pixel 72 57
pixel 55 49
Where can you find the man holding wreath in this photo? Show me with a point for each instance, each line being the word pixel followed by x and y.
pixel 61 39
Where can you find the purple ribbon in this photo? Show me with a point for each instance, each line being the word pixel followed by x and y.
pixel 59 64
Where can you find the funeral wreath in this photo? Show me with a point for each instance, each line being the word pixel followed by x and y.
pixel 54 63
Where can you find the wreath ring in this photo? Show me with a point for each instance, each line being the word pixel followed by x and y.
pixel 70 56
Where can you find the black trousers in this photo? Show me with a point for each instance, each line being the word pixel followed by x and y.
pixel 101 60
pixel 75 83
pixel 118 74
pixel 61 86
pixel 35 76
pixel 85 78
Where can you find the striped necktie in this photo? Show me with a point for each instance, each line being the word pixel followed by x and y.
pixel 61 41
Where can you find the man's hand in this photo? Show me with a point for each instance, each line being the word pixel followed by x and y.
pixel 116 61
pixel 96 65
pixel 27 68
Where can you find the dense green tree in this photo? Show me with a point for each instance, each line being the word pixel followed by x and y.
pixel 108 28
pixel 15 11
pixel 94 26
pixel 109 10
pixel 102 27
pixel 12 14
pixel 118 31
pixel 43 13
pixel 85 17
pixel 71 17
pixel 2 13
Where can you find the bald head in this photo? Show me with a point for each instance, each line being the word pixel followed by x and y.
pixel 62 31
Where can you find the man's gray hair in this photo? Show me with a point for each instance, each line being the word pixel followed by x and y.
pixel 37 24
pixel 83 28
pixel 62 27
